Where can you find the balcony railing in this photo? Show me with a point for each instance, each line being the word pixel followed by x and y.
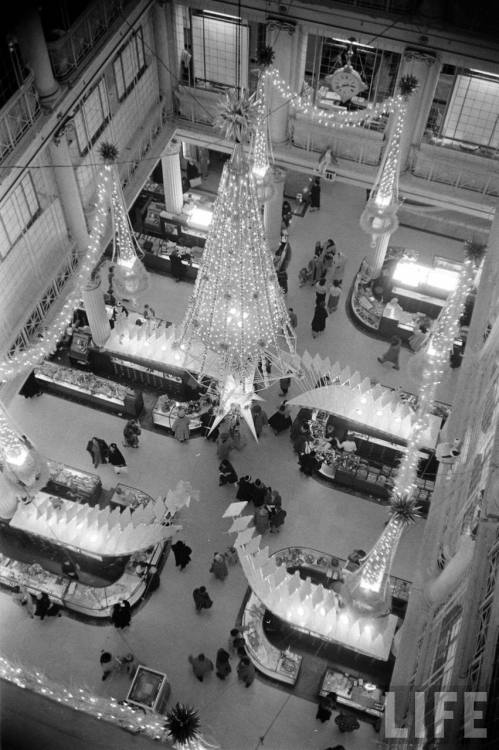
pixel 68 52
pixel 460 169
pixel 17 116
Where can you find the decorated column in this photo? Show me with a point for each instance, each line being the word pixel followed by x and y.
pixel 95 308
pixel 163 46
pixel 280 37
pixel 172 177
pixel 68 190
pixel 272 211
pixel 425 68
pixel 35 53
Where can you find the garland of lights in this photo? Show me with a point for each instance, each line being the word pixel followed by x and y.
pixel 107 709
pixel 29 358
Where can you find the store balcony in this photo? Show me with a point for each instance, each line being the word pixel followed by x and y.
pixel 72 47
pixel 17 116
pixel 462 169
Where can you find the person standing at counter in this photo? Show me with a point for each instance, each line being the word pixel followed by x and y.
pixel 181 426
pixel 392 353
pixel 246 671
pixel 131 434
pixel 315 194
pixel 97 451
pixel 202 599
pixel 319 320
pixel 176 265
pixel 117 459
pixel 338 266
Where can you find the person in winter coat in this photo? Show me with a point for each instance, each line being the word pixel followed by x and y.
pixel 260 419
pixel 201 598
pixel 245 488
pixel 293 318
pixel 338 267
pixel 42 605
pixel 325 707
pixel 181 426
pixel 284 384
pixel 201 666
pixel 334 295
pixel 219 567
pixel 116 458
pixel 94 449
pixel 131 434
pixel 261 519
pixel 321 290
pixel 226 473
pixel 315 194
pixel 246 671
pixel 182 553
pixel 314 266
pixel 281 419
pixel 106 663
pixel 319 319
pixel 392 353
pixel 222 664
pixel 258 494
pixel 224 445
pixel 276 519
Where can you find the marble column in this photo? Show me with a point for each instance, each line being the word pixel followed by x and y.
pixel 69 193
pixel 378 257
pixel 281 36
pixel 272 210
pixel 95 308
pixel 35 53
pixel 425 67
pixel 164 47
pixel 172 177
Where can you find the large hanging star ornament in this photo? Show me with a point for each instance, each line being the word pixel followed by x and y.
pixel 236 398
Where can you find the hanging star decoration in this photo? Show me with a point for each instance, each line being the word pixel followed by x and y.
pixel 236 116
pixel 235 398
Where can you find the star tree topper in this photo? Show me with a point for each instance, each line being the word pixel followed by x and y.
pixel 236 397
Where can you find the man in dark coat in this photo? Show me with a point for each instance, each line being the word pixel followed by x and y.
pixel 201 598
pixel 182 554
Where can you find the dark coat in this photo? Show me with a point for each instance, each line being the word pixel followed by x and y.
pixel 116 457
pixel 222 664
pixel 319 319
pixel 182 553
pixel 245 489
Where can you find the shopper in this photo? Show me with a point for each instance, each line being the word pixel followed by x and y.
pixel 392 353
pixel 334 295
pixel 222 664
pixel 261 519
pixel 176 266
pixel 42 605
pixel 182 553
pixel 70 569
pixel 346 722
pixel 201 666
pixel 245 488
pixel 319 319
pixel 219 567
pixel 338 267
pixel 258 493
pixel 131 434
pixel 234 635
pixel 314 265
pixel 98 450
pixel 284 384
pixel 315 194
pixel 282 280
pixel 246 671
pixel 325 707
pixel 281 419
pixel 148 313
pixel 202 599
pixel 117 459
pixel 226 473
pixel 287 213
pixel 260 419
pixel 106 663
pixel 224 445
pixel 121 614
pixel 277 517
pixel 293 318
pixel 307 459
pixel 181 426
pixel 321 289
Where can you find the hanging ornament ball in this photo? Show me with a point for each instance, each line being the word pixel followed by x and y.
pixel 130 282
pixel 377 220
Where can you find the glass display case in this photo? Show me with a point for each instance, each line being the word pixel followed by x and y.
pixel 129 497
pixel 353 692
pixel 165 412
pixel 149 690
pixel 86 387
pixel 68 482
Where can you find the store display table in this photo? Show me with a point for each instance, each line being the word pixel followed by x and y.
pixel 70 483
pixel 149 690
pixel 165 412
pixel 353 692
pixel 283 666
pixel 89 389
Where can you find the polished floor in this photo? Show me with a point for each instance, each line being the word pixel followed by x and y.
pixel 166 630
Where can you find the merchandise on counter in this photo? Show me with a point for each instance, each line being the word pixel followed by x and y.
pixel 80 483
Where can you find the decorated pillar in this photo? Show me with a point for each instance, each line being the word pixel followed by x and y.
pixel 95 307
pixel 67 188
pixel 172 177
pixel 163 46
pixel 424 66
pixel 272 211
pixel 380 245
pixel 35 53
pixel 281 37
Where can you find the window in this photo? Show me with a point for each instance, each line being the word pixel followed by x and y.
pixel 92 117
pixel 465 111
pixel 220 51
pixel 17 213
pixel 129 64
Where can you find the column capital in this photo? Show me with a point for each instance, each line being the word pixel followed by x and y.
pixel 278 24
pixel 420 55
pixel 278 174
pixel 172 147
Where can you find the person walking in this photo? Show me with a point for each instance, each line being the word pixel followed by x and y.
pixel 224 445
pixel 258 493
pixel 245 488
pixel 281 419
pixel 321 289
pixel 201 598
pixel 181 426
pixel 334 295
pixel 94 448
pixel 293 318
pixel 234 636
pixel 219 567
pixel 338 267
pixel 42 605
pixel 325 707
pixel 314 265
pixel 106 663
pixel 226 473
pixel 182 553
pixel 261 519
pixel 201 666
pixel 315 194
pixel 222 664
pixel 131 434
pixel 117 459
pixel 319 319
pixel 121 614
pixel 246 671
pixel 260 419
pixel 284 384
pixel 392 353
pixel 276 518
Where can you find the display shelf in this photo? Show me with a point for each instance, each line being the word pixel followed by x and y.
pixel 36 579
pixel 66 481
pixel 165 412
pixel 353 692
pixel 90 389
pixel 283 666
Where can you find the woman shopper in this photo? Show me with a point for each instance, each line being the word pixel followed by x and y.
pixel 131 434
pixel 222 664
pixel 319 319
pixel 315 194
pixel 334 296
pixel 226 473
pixel 117 459
pixel 392 353
pixel 281 419
pixel 181 426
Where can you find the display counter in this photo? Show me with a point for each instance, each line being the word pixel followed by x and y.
pixel 353 692
pixel 87 388
pixel 73 484
pixel 283 666
pixel 165 412
pixel 129 497
pixel 157 255
pixel 149 690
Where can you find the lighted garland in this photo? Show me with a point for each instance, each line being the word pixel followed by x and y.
pixel 80 699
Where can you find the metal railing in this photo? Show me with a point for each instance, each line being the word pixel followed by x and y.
pixel 69 51
pixel 18 115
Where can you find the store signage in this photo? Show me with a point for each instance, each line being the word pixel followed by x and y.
pixel 142 368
